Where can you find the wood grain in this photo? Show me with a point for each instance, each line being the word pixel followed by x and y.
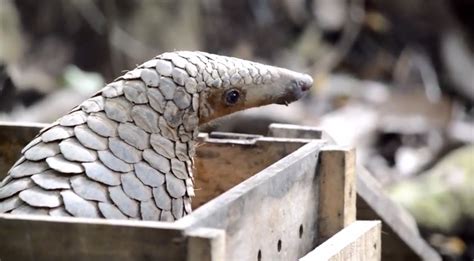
pixel 359 241
pixel 337 205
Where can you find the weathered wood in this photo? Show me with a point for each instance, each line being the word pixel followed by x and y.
pixel 295 131
pixel 263 216
pixel 359 241
pixel 337 195
pixel 33 238
pixel 206 244
pixel 241 155
pixel 399 244
pixel 401 240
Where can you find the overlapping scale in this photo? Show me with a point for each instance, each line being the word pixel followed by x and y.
pixel 148 175
pixel 38 197
pixel 127 205
pixel 118 109
pixel 134 135
pixel 134 188
pixel 28 168
pixel 162 146
pixel 124 151
pixel 89 189
pixel 51 180
pixel 98 172
pixel 10 203
pixel 73 119
pixel 149 211
pixel 89 138
pixel 175 187
pixel 73 150
pixel 114 163
pixel 145 118
pixel 78 206
pixel 57 133
pixel 110 211
pixel 59 163
pixel 162 198
pixel 15 186
pixel 136 92
pixel 102 125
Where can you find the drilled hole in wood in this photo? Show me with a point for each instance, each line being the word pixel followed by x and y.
pixel 301 231
pixel 279 245
pixel 259 255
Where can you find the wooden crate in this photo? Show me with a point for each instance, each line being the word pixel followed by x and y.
pixel 258 198
pixel 401 239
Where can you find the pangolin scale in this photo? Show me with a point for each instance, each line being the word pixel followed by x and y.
pixel 127 152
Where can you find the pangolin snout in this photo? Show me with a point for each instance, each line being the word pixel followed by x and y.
pixel 297 88
pixel 305 82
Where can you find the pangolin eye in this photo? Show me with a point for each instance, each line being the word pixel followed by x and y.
pixel 232 97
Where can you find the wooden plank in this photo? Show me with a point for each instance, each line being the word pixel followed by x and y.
pixel 232 136
pixel 337 206
pixel 359 241
pixel 206 244
pixel 295 131
pixel 54 238
pixel 337 195
pixel 270 216
pixel 401 238
pixel 220 164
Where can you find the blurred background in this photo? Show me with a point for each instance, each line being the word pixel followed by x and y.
pixel 395 79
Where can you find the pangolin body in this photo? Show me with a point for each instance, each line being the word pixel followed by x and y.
pixel 127 151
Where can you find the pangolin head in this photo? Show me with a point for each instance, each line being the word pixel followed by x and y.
pixel 228 84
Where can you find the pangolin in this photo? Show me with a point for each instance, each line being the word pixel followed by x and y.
pixel 127 152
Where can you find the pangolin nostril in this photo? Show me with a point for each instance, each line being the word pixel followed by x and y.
pixel 306 82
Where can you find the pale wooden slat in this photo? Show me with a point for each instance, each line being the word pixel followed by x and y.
pixel 359 241
pixel 336 177
pixel 48 238
pixel 402 240
pixel 295 131
pixel 276 207
pixel 206 244
pixel 337 196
